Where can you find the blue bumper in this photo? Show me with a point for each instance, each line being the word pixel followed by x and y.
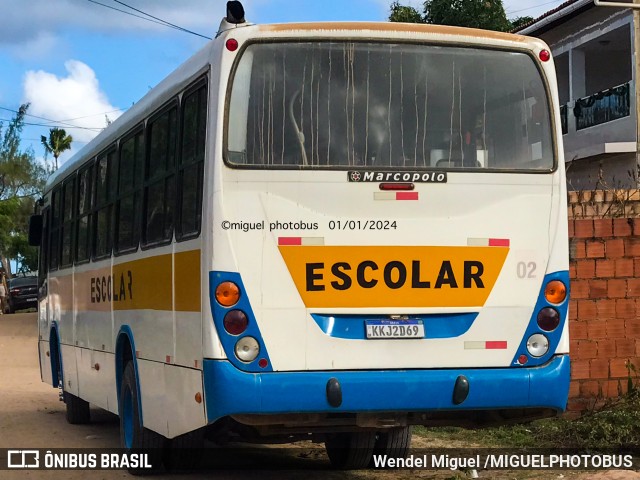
pixel 228 391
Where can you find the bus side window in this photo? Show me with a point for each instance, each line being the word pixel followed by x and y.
pixel 84 208
pixel 191 163
pixel 159 189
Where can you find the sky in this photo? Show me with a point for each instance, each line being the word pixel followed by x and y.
pixel 81 63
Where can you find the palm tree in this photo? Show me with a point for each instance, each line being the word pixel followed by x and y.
pixel 57 142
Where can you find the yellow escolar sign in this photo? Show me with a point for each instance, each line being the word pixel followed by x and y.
pixel 360 277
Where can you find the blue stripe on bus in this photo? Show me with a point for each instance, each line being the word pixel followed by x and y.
pixel 533 328
pixel 352 327
pixel 228 391
pixel 229 341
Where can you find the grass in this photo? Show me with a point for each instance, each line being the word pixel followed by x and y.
pixel 615 426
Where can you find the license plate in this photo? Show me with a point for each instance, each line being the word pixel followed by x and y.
pixel 389 329
pixel 31 299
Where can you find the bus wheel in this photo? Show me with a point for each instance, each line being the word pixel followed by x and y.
pixel 349 451
pixel 394 442
pixel 133 437
pixel 77 409
pixel 186 451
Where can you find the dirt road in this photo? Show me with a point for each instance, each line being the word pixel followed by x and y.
pixel 32 417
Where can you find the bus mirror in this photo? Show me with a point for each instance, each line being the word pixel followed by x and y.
pixel 35 230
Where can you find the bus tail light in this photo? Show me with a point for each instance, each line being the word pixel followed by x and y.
pixel 537 345
pixel 555 292
pixel 227 294
pixel 247 349
pixel 548 319
pixel 235 322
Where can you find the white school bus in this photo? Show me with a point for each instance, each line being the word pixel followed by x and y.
pixel 326 230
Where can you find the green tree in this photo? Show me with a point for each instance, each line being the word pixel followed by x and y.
pixel 485 14
pixel 22 179
pixel 57 143
pixel 520 21
pixel 400 13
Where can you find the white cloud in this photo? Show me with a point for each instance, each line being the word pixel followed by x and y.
pixel 75 99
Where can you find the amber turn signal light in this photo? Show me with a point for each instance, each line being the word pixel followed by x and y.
pixel 227 294
pixel 555 292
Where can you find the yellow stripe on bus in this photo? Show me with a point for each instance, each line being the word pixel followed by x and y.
pixel 144 284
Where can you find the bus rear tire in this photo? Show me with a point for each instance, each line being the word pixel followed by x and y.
pixel 78 412
pixel 134 438
pixel 349 451
pixel 394 442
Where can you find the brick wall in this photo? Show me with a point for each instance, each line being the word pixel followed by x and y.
pixel 604 310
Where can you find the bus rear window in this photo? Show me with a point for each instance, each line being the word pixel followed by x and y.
pixel 344 105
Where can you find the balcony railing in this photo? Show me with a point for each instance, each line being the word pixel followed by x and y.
pixel 602 107
pixel 564 119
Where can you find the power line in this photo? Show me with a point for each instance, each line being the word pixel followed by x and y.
pixel 151 18
pixel 50 125
pixel 536 6
pixel 125 12
pixel 164 21
pixel 61 122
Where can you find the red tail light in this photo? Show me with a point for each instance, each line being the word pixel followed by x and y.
pixel 235 322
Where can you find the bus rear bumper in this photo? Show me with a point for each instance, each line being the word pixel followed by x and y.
pixel 228 391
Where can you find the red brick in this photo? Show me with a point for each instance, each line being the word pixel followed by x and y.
pixel 587 310
pixel 606 348
pixel 614 247
pixel 625 348
pixel 605 268
pixel 596 329
pixel 572 271
pixel 583 228
pixel 577 405
pixel 632 328
pixel 606 308
pixel 624 267
pixel 616 288
pixel 599 368
pixel 612 388
pixel 573 309
pixel 625 308
pixel 621 227
pixel 580 369
pixel 615 328
pixel 618 368
pixel 632 247
pixel 635 226
pixel 636 267
pixel 586 268
pixel 577 331
pixel 586 350
pixel 577 249
pixel 574 389
pixel 590 389
pixel 602 227
pixel 638 348
pixel 580 289
pixel 598 289
pixel 595 249
pixel 634 287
